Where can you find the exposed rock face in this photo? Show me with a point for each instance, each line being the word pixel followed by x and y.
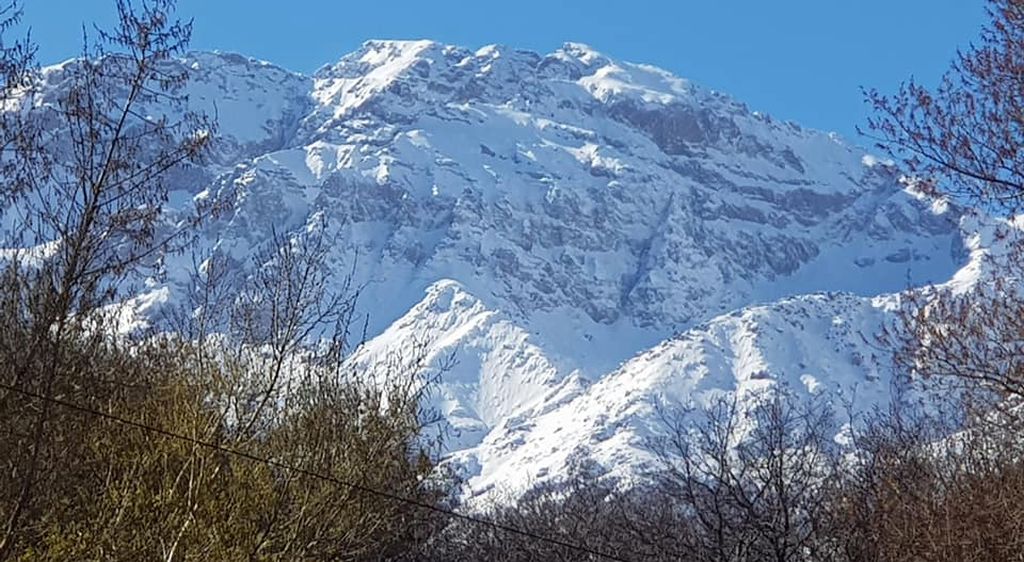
pixel 564 213
pixel 566 180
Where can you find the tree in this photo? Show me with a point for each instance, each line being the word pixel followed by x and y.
pixel 918 486
pixel 753 477
pixel 84 196
pixel 966 137
pixel 584 517
pixel 247 434
pixel 965 140
pixel 941 481
pixel 737 481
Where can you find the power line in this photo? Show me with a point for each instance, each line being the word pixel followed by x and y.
pixel 311 474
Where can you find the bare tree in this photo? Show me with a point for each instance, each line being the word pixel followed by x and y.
pixel 965 137
pixel 260 363
pixel 967 344
pixel 918 485
pixel 736 483
pixel 588 517
pixel 752 477
pixel 964 140
pixel 84 195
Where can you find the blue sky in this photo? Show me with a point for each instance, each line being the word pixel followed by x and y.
pixel 802 60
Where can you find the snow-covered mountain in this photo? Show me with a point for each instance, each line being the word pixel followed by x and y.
pixel 586 235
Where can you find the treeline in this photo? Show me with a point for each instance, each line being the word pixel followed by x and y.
pixel 239 430
pixel 902 491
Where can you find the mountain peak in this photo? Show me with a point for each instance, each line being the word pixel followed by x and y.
pixel 583 53
pixel 382 51
pixel 387 56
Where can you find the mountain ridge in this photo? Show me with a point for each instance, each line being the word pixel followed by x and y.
pixel 588 236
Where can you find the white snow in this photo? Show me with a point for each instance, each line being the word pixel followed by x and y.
pixel 588 237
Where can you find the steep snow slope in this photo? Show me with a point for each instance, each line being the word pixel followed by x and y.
pixel 823 343
pixel 811 344
pixel 550 219
pixel 497 371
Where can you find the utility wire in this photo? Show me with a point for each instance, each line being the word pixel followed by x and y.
pixel 298 470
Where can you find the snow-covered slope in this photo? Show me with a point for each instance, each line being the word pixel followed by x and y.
pixel 584 234
pixel 815 344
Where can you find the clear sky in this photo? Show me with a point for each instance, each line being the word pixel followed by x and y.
pixel 803 60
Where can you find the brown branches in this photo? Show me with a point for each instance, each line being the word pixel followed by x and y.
pixel 966 135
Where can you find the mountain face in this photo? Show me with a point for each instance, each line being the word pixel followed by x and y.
pixel 587 236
